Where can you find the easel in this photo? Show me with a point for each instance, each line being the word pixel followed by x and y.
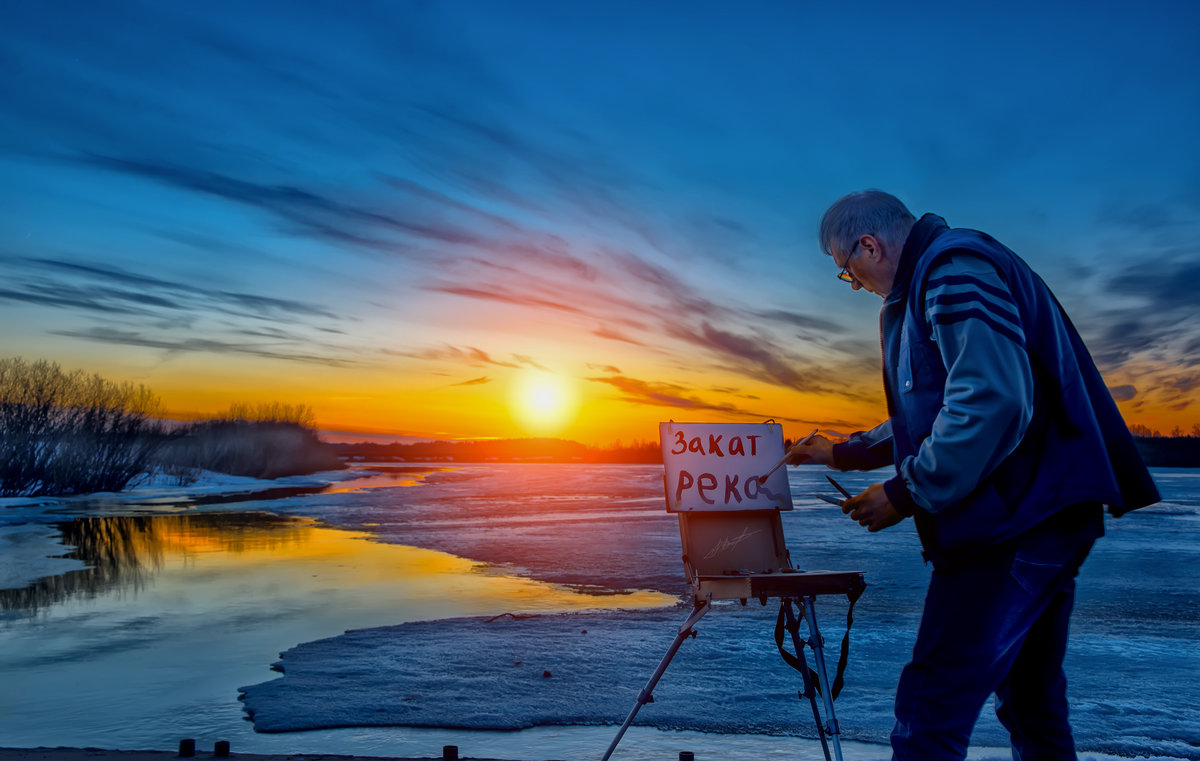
pixel 740 554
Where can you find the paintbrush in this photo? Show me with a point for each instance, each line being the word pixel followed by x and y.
pixel 778 465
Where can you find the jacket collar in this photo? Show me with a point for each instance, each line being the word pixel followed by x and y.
pixel 923 233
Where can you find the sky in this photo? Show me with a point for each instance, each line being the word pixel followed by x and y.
pixel 491 219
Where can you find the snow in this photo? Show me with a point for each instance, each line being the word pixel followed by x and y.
pixel 1131 663
pixel 730 679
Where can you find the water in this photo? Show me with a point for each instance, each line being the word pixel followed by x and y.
pixel 180 605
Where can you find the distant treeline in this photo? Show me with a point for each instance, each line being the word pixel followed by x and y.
pixel 504 450
pixel 1170 451
pixel 1157 451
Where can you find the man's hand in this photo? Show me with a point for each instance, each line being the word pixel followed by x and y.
pixel 872 509
pixel 818 450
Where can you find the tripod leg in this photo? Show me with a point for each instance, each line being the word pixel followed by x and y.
pixel 793 627
pixel 645 695
pixel 818 647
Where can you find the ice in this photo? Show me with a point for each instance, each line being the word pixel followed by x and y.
pixel 29 552
pixel 1132 660
pixel 1135 623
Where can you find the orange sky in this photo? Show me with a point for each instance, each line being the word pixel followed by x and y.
pixel 479 200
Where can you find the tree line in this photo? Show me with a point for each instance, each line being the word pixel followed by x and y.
pixel 505 450
pixel 72 432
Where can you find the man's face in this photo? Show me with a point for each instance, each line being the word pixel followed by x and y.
pixel 863 266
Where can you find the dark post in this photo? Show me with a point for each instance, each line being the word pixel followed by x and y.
pixel 187 748
pixel 221 749
pixel 449 753
pixel 687 755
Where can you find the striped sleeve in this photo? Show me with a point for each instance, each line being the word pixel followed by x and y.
pixel 865 450
pixel 969 289
pixel 987 402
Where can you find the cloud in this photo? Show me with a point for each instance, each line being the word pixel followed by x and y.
pixel 754 357
pixel 116 306
pixel 306 210
pixel 680 297
pixel 103 288
pixel 527 360
pixel 663 395
pixel 468 356
pixel 504 296
pixel 803 321
pixel 1163 326
pixel 1186 383
pixel 200 345
pixel 1144 217
pixel 1122 393
pixel 734 392
pixel 615 335
pixel 674 396
pixel 66 298
pixel 1161 285
pixel 473 382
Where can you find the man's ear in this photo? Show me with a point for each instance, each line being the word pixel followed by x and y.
pixel 872 247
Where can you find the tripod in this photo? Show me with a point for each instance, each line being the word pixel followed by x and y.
pixel 828 732
pixel 733 549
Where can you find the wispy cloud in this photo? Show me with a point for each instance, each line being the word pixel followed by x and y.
pixel 483 379
pixel 503 296
pixel 663 395
pixel 303 208
pixel 675 396
pixel 604 369
pixel 201 345
pixel 470 356
pixel 1123 393
pixel 93 287
pixel 147 311
pixel 525 359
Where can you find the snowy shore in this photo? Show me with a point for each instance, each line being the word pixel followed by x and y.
pixel 603 528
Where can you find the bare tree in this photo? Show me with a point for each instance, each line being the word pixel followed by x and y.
pixel 70 432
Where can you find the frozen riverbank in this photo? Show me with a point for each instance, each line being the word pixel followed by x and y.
pixel 161 654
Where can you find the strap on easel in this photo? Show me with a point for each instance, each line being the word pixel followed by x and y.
pixel 795 662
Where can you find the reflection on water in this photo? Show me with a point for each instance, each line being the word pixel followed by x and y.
pixel 150 643
pixel 124 551
pixel 384 476
pixel 126 554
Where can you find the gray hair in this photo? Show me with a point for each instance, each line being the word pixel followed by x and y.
pixel 867 212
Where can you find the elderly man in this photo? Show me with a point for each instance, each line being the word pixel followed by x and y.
pixel 1006 445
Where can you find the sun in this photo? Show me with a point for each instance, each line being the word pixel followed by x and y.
pixel 543 403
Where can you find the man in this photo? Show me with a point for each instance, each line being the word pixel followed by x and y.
pixel 1006 444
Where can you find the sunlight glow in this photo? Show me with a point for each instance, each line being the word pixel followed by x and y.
pixel 542 403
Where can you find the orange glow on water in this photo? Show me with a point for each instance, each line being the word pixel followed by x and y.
pixel 163 553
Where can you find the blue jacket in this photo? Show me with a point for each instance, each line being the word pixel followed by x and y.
pixel 987 452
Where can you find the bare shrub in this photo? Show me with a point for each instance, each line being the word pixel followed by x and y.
pixel 271 412
pixel 70 432
pixel 261 449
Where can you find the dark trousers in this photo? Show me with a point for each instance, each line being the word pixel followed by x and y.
pixel 997 624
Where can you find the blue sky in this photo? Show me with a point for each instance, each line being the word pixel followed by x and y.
pixel 395 211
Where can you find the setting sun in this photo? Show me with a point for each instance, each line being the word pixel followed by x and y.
pixel 542 403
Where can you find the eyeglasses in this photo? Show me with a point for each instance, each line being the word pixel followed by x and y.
pixel 845 275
